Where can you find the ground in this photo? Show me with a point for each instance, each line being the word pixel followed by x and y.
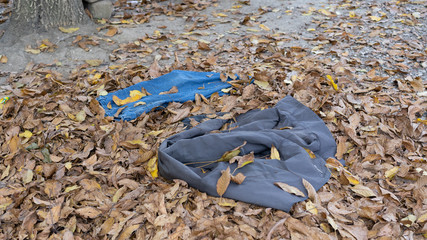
pixel 68 172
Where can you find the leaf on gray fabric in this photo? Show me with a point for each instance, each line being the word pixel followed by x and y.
pixel 227 156
pixel 223 182
pixel 290 189
pixel 274 153
pixel 245 160
pixel 239 178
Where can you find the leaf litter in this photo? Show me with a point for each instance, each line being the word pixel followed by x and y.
pixel 69 172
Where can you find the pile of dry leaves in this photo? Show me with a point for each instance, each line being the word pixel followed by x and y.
pixel 68 172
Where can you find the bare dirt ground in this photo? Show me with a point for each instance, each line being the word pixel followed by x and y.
pixel 69 172
pixel 66 56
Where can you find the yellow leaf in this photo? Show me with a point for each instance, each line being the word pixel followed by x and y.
pixel 28 176
pixel 68 30
pixel 119 194
pixel 309 206
pixel 363 191
pixel 375 18
pixel 332 82
pixel 331 221
pixel 222 15
pixel 223 182
pixel 134 96
pixel 71 188
pixel 152 167
pixel 262 26
pixel 81 116
pixel 422 218
pixel 155 133
pixel 310 153
pixel 5 202
pixel 252 30
pixel 68 165
pixel 352 14
pixel 5 172
pixel 311 29
pixel 229 203
pixel 391 172
pixel 231 154
pixel 325 12
pixel 263 84
pixel 26 134
pixel 352 179
pixel 290 189
pixel 31 50
pixel 274 153
pixel 94 62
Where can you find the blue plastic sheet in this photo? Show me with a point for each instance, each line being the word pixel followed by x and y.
pixel 188 83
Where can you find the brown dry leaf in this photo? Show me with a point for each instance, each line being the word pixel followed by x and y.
pixel 127 232
pixel 52 188
pixel 54 213
pixel 223 182
pixel 106 226
pixel 88 212
pixel 238 178
pixel 290 189
pixel 245 160
pixel 3 59
pixel 111 31
pixel 154 70
pixel 363 191
pixel 312 194
pixel 174 89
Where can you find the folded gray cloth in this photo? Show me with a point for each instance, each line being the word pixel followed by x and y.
pixel 301 128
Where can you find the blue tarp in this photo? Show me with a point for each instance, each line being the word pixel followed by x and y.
pixel 188 83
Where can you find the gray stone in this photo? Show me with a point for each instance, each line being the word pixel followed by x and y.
pixel 101 9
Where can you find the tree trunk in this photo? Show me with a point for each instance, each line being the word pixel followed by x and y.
pixel 47 13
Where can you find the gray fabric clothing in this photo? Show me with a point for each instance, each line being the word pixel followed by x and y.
pixel 260 129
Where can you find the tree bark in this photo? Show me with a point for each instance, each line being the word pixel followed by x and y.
pixel 47 13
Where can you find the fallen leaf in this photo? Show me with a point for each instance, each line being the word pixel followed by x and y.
pixel 274 153
pixel 363 191
pixel 310 153
pixel 3 59
pixel 68 30
pixel 174 89
pixel 111 31
pixel 88 212
pixel 94 62
pixel 223 182
pixel 391 172
pixel 152 167
pixel 263 85
pixel 227 156
pixel 127 232
pixel 245 160
pixel 134 96
pixel 238 178
pixel 290 189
